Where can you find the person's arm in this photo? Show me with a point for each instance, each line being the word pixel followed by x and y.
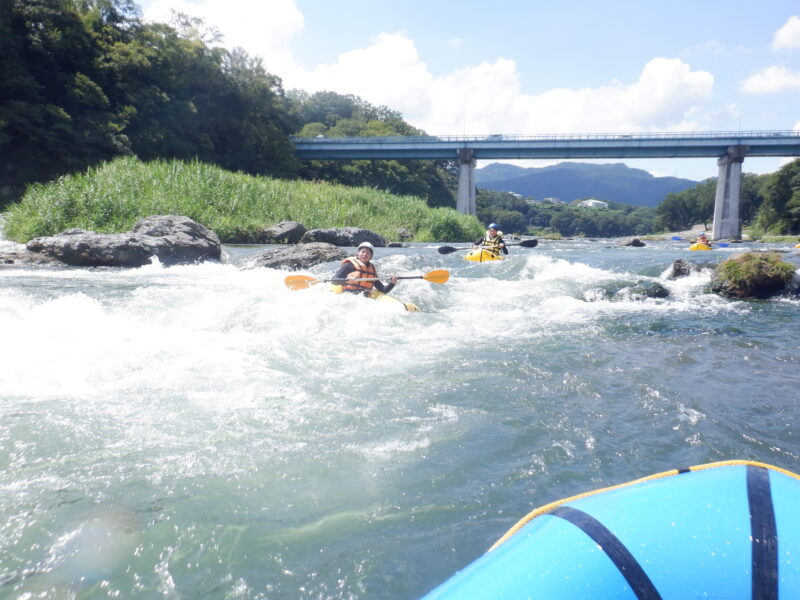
pixel 503 245
pixel 344 270
pixel 386 288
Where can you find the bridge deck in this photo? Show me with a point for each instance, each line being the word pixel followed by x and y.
pixel 642 145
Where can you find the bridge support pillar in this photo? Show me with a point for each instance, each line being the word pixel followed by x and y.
pixel 726 203
pixel 465 200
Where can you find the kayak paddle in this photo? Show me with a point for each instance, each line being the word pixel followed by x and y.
pixel 523 243
pixel 301 282
pixel 677 238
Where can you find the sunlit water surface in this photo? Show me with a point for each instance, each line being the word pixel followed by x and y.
pixel 203 432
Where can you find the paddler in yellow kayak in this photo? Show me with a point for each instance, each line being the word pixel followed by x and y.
pixel 355 269
pixel 493 241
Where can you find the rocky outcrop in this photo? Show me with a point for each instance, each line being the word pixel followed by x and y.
pixel 635 242
pixel 301 256
pixel 344 236
pixel 22 257
pixel 172 239
pixel 752 275
pixel 684 268
pixel 179 240
pixel 285 232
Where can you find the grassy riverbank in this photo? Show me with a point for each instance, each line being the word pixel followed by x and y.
pixel 112 197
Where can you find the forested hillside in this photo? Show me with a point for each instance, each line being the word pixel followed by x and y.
pixel 84 81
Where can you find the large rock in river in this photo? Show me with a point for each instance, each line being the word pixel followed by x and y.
pixel 285 232
pixel 173 239
pixel 344 236
pixel 752 275
pixel 302 256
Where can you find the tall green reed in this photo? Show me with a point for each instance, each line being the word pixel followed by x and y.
pixel 111 197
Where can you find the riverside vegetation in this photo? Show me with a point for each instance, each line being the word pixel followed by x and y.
pixel 88 82
pixel 110 198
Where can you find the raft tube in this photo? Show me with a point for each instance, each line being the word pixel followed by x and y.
pixel 721 530
pixel 699 246
pixel 483 255
pixel 376 295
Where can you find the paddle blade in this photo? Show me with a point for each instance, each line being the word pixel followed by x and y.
pixel 438 276
pixel 446 249
pixel 299 282
pixel 529 243
pixel 677 238
pixel 720 244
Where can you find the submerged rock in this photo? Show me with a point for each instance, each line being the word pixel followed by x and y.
pixel 301 256
pixel 635 242
pixel 683 268
pixel 627 291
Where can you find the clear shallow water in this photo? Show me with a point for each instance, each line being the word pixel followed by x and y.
pixel 203 432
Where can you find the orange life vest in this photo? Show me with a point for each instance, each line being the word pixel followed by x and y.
pixel 362 270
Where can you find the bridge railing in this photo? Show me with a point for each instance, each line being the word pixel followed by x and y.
pixel 699 135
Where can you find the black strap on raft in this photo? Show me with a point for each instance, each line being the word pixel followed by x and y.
pixel 764 534
pixel 622 558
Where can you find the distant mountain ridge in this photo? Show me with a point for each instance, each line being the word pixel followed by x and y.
pixel 568 181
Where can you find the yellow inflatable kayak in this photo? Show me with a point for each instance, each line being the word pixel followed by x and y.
pixel 376 295
pixel 699 246
pixel 483 255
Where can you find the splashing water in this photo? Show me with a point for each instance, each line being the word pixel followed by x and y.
pixel 204 432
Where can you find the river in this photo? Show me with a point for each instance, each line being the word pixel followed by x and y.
pixel 204 432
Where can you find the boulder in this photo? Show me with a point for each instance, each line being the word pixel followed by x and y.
pixel 636 242
pixel 680 268
pixel 22 257
pixel 80 248
pixel 301 256
pixel 179 240
pixel 344 236
pixel 684 268
pixel 648 289
pixel 752 275
pixel 403 234
pixel 285 232
pixel 173 239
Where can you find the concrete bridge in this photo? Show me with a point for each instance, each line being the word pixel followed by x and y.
pixel 730 149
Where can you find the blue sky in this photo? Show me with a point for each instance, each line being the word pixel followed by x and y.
pixel 528 67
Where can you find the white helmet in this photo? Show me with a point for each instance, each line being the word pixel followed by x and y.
pixel 366 245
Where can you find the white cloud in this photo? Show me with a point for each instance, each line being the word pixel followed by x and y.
pixel 477 99
pixel 262 28
pixel 772 80
pixel 488 97
pixel 788 36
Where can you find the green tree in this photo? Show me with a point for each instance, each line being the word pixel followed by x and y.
pixel 55 115
pixel 779 212
pixel 333 115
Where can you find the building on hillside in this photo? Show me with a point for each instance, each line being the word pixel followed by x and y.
pixel 554 201
pixel 592 203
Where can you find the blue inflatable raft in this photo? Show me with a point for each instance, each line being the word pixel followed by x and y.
pixel 721 530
